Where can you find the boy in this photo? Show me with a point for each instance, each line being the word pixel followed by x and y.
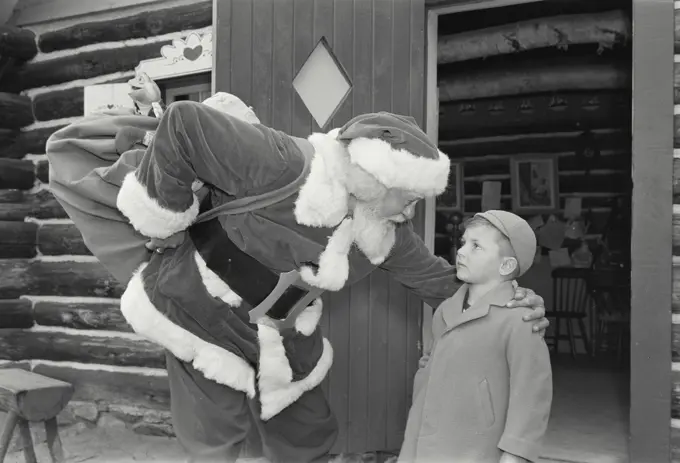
pixel 485 393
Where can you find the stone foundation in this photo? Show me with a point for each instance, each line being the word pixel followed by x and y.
pixel 79 416
pixel 145 421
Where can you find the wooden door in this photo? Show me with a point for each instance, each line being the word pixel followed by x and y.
pixel 260 47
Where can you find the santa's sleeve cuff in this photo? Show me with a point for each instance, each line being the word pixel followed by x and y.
pixel 148 215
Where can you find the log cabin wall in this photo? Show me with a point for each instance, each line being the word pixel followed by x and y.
pixel 675 390
pixel 59 308
pixel 545 80
pixel 510 86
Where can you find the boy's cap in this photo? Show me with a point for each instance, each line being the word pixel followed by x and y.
pixel 520 234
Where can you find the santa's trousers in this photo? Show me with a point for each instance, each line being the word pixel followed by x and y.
pixel 215 423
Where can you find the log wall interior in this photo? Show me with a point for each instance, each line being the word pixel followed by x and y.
pixel 675 389
pixel 510 85
pixel 59 308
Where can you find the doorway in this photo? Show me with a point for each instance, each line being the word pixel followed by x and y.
pixel 504 101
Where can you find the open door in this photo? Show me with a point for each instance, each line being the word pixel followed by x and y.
pixel 311 65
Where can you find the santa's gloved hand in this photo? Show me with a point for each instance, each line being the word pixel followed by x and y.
pixel 128 137
pixel 173 241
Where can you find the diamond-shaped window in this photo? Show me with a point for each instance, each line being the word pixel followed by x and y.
pixel 322 83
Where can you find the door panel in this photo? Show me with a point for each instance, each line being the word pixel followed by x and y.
pixel 374 326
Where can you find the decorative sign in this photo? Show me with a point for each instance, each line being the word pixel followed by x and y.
pixel 534 184
pixel 191 55
pixel 107 97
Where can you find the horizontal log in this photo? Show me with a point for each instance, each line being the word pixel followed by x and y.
pixel 532 142
pixel 676 181
pixel 16 174
pixel 42 171
pixel 84 65
pixel 60 239
pixel 534 78
pixel 59 346
pixel 675 294
pixel 676 76
pixel 17 42
pixel 15 111
pixel 605 29
pixel 534 113
pixel 16 313
pixel 17 205
pixel 676 130
pixel 81 315
pixel 28 142
pixel 19 277
pixel 112 387
pixel 677 31
pixel 500 165
pixel 598 222
pixel 18 239
pixel 676 243
pixel 152 23
pixel 59 104
pixel 615 182
pixel 475 204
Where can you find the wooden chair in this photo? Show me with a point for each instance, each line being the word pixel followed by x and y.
pixel 27 396
pixel 570 303
pixel 610 291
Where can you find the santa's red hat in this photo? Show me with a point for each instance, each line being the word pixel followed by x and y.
pixel 397 152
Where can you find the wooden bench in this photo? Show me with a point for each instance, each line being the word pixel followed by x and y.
pixel 27 396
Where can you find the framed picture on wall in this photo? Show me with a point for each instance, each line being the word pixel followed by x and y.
pixel 535 183
pixel 452 198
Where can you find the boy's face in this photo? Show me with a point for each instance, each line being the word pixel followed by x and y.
pixel 479 258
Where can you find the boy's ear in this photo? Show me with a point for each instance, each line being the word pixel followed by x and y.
pixel 508 266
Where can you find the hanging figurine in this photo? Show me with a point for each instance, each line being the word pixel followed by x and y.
pixel 148 100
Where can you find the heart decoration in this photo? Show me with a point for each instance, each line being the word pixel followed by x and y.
pixel 192 54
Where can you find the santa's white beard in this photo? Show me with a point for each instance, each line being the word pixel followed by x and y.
pixel 373 234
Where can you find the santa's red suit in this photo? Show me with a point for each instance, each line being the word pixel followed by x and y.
pixel 238 387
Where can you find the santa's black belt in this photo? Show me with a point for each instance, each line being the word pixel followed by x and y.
pixel 276 296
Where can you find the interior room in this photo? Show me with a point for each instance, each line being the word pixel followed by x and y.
pixel 534 110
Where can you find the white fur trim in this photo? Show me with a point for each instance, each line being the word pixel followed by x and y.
pixel 308 320
pixel 333 261
pixel 275 378
pixel 398 168
pixel 214 284
pixel 323 198
pixel 214 362
pixel 147 215
pixel 374 236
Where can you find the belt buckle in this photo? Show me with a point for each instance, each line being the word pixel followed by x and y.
pixel 286 280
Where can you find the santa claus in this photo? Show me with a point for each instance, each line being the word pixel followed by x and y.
pixel 250 225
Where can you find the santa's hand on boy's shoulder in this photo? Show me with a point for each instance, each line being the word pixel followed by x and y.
pixel 525 297
pixel 422 363
pixel 159 245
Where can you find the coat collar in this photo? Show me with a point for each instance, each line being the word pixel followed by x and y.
pixel 452 309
